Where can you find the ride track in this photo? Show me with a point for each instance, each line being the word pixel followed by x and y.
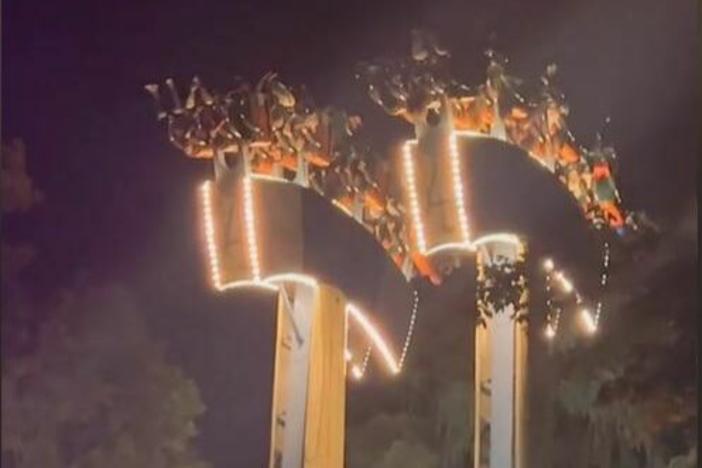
pixel 271 135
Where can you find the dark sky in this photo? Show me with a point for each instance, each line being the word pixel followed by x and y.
pixel 120 201
pixel 73 74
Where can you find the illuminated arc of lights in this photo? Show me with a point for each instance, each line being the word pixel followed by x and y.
pixel 497 237
pixel 450 246
pixel 473 245
pixel 375 337
pixel 408 165
pixel 271 283
pixel 292 278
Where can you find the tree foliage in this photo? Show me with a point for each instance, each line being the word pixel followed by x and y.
pixel 635 384
pixel 83 384
pixel 97 392
pixel 625 397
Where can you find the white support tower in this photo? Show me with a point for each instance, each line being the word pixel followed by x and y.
pixel 309 387
pixel 500 367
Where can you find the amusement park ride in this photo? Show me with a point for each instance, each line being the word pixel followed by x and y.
pixel 278 162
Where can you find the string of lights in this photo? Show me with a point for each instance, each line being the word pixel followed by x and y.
pixel 603 282
pixel 553 312
pixel 410 330
pixel 273 283
pixel 417 225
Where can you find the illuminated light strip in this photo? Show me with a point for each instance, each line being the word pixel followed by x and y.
pixel 270 178
pixel 292 278
pixel 417 224
pixel 473 246
pixel 603 283
pixel 474 134
pixel 550 331
pixel 410 330
pixel 271 283
pixel 366 359
pixel 552 322
pixel 212 254
pixel 588 321
pixel 337 204
pixel 566 284
pixel 450 246
pixel 247 284
pixel 206 193
pixel 375 337
pixel 249 221
pixel 458 191
pixel 497 237
pixel 356 372
pixel 548 265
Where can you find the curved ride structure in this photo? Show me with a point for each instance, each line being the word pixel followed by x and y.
pixel 478 179
pixel 296 199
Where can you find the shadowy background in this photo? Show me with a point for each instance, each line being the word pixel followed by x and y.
pixel 119 200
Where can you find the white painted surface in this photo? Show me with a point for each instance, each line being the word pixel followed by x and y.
pixel 502 427
pixel 292 410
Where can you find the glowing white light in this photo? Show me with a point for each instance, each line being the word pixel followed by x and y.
pixel 292 278
pixel 458 192
pixel 462 246
pixel 566 284
pixel 205 191
pixel 342 208
pixel 497 237
pixel 473 245
pixel 375 337
pixel 411 183
pixel 410 330
pixel 356 372
pixel 473 134
pixel 270 178
pixel 250 230
pixel 588 321
pixel 366 359
pixel 347 355
pixel 603 282
pixel 247 284
pixel 212 253
pixel 550 331
pixel 548 264
pixel 272 283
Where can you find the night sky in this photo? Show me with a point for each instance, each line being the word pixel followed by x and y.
pixel 119 200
